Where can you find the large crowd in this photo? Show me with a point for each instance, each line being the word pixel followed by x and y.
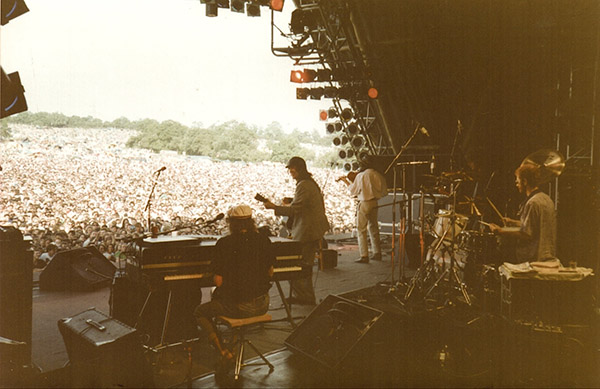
pixel 68 188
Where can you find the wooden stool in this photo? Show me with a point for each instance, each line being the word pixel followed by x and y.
pixel 239 326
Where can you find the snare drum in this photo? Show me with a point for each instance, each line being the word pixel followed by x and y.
pixel 443 222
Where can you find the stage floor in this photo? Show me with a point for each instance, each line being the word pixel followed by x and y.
pixel 439 341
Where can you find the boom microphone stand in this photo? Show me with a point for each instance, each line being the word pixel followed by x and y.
pixel 402 232
pixel 149 203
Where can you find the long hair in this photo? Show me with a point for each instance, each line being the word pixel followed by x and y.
pixel 239 226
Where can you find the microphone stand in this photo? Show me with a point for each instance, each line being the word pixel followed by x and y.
pixel 393 163
pixel 149 203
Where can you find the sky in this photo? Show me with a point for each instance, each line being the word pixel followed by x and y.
pixel 158 59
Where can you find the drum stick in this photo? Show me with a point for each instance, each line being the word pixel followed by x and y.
pixel 497 212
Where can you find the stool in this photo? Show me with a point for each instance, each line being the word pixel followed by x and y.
pixel 239 326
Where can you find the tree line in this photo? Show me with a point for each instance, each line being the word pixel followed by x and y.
pixel 233 140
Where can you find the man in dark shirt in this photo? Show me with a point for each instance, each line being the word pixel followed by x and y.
pixel 243 267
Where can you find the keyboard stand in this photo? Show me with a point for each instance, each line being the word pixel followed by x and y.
pixel 288 309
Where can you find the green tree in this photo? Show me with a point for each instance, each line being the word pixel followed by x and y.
pixel 5 131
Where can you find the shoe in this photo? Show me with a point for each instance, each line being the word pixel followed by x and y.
pixel 362 260
pixel 295 300
pixel 376 257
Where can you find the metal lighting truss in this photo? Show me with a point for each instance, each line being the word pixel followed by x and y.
pixel 322 34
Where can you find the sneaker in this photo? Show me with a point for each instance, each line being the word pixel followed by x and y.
pixel 376 257
pixel 362 260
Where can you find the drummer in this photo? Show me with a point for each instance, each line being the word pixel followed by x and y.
pixel 535 230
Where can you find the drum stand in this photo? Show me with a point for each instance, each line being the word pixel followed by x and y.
pixel 424 271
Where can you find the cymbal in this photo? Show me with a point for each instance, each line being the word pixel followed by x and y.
pixel 458 175
pixel 550 162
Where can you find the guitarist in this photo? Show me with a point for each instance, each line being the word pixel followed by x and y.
pixel 309 224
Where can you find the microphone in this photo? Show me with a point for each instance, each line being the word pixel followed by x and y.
pixel 161 169
pixel 216 219
pixel 424 131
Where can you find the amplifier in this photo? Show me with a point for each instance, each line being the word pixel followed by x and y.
pixel 103 352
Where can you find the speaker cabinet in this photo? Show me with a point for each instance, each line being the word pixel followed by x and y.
pixel 16 276
pixel 332 330
pixel 103 352
pixel 78 269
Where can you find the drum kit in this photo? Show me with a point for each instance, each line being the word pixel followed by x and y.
pixel 463 254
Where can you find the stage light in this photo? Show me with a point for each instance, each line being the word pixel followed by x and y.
pixel 223 3
pixel 330 92
pixel 302 93
pixel 373 93
pixel 296 76
pixel 362 155
pixel 315 93
pixel 352 129
pixel 323 75
pixel 355 165
pixel 212 9
pixel 357 141
pixel 331 112
pixel 337 141
pixel 334 127
pixel 347 166
pixel 350 153
pixel 342 154
pixel 344 139
pixel 12 98
pixel 347 114
pixel 303 20
pixel 237 6
pixel 322 115
pixel 11 9
pixel 309 75
pixel 252 10
pixel 276 5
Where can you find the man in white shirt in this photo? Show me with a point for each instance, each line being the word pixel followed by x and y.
pixel 368 186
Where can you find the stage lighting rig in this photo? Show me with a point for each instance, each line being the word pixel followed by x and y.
pixel 13 97
pixel 11 9
pixel 12 93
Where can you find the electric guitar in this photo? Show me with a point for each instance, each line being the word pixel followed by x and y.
pixel 286 200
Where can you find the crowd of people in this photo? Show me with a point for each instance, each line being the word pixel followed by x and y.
pixel 69 188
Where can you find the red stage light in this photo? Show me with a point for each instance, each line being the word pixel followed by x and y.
pixel 296 76
pixel 276 5
pixel 373 93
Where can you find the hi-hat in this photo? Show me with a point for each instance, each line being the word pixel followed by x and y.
pixel 550 162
